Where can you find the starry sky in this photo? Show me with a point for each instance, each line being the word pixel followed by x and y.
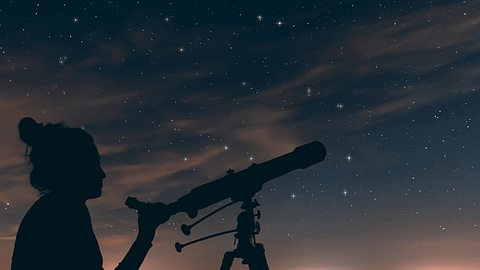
pixel 177 92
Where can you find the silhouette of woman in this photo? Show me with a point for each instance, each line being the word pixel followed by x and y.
pixel 56 232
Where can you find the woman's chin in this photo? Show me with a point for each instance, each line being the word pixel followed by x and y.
pixel 95 194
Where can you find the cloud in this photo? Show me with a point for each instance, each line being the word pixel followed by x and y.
pixel 423 31
pixel 145 126
pixel 396 67
pixel 8 233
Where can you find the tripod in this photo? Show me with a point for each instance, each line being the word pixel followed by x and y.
pixel 251 252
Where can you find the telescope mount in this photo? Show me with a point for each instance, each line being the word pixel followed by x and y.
pixel 247 248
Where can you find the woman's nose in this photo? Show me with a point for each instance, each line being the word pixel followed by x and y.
pixel 102 172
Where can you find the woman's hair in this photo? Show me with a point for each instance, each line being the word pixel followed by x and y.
pixel 56 151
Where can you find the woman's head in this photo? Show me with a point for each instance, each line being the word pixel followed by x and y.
pixel 65 160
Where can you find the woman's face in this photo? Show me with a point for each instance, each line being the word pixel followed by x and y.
pixel 89 174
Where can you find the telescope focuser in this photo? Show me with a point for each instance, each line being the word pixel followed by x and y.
pixel 179 246
pixel 186 229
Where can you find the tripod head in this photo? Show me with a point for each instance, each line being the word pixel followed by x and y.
pixel 246 228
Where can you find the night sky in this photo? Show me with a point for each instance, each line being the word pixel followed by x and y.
pixel 177 92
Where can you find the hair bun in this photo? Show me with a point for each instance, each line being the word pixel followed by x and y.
pixel 29 130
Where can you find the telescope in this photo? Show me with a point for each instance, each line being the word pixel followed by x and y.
pixel 243 184
pixel 238 187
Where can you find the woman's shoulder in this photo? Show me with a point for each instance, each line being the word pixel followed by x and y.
pixel 37 217
pixel 50 210
pixel 46 205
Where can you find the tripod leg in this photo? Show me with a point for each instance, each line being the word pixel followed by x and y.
pixel 257 260
pixel 227 260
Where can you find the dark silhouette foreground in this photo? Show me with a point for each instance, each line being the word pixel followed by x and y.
pixel 56 233
pixel 238 187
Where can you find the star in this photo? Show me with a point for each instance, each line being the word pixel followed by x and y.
pixel 309 91
pixel 279 23
pixel 259 18
pixel 348 158
pixel 62 60
pixel 345 192
pixel 293 196
pixel 181 50
pixel 75 20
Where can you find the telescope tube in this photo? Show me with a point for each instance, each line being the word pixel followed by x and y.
pixel 242 185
